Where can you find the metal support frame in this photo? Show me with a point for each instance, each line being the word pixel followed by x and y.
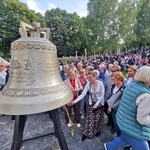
pixel 19 129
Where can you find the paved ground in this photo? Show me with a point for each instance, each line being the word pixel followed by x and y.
pixel 41 124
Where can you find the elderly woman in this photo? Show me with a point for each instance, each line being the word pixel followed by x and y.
pixel 76 87
pixel 133 115
pixel 64 72
pixel 97 73
pixel 95 114
pixel 114 100
pixel 108 71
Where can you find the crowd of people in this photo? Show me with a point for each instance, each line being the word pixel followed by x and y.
pixel 117 86
pixel 4 74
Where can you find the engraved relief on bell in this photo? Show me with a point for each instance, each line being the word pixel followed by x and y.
pixel 35 84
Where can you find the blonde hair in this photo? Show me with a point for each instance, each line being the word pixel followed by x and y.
pixel 81 70
pixel 96 72
pixel 115 63
pixel 118 75
pixel 90 68
pixel 71 71
pixel 133 67
pixel 93 73
pixel 143 74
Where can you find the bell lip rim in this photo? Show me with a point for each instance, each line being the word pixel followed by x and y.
pixel 35 107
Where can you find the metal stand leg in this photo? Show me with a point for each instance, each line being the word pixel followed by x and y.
pixel 18 132
pixel 19 128
pixel 54 115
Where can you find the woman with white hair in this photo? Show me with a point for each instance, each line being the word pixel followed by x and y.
pixel 76 87
pixel 108 71
pixel 97 74
pixel 133 115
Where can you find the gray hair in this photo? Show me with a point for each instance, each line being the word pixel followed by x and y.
pixel 101 66
pixel 143 75
pixel 110 65
pixel 65 66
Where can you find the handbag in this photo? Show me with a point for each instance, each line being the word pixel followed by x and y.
pixel 114 100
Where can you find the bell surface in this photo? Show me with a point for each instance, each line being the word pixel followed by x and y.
pixel 35 84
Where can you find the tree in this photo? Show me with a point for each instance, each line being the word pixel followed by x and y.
pixel 127 12
pixel 11 12
pixel 143 26
pixel 109 22
pixel 40 18
pixel 101 25
pixel 67 31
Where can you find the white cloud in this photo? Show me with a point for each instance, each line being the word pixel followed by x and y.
pixel 51 6
pixel 82 14
pixel 34 6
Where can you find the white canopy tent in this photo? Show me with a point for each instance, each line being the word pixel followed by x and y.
pixel 3 61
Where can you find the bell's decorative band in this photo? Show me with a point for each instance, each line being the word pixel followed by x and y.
pixel 33 92
pixel 35 46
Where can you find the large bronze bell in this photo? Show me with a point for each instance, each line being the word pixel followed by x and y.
pixel 35 84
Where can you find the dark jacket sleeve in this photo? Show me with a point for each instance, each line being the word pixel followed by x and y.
pixel 7 77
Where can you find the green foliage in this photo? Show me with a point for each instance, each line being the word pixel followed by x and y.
pixel 67 31
pixel 143 26
pixel 11 12
pixel 101 25
pixel 108 22
pixel 127 12
pixel 1 54
pixel 40 18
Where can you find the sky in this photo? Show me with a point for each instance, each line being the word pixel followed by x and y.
pixel 71 6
